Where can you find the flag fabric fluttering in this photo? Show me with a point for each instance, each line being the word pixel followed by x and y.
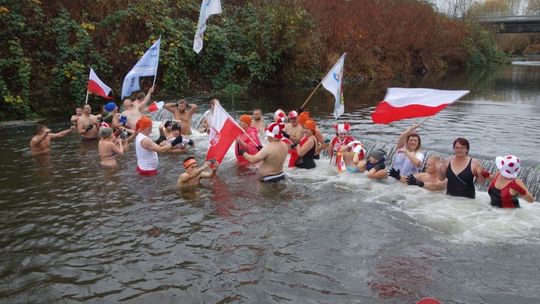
pixel 155 106
pixel 402 103
pixel 224 130
pixel 208 7
pixel 146 66
pixel 96 86
pixel 333 82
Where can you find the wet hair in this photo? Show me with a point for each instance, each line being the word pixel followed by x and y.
pixel 182 101
pixel 462 141
pixel 414 134
pixel 175 126
pixel 40 127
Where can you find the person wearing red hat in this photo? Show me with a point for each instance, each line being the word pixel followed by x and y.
pixel 506 186
pixel 340 140
pixel 307 146
pixel 248 141
pixel 272 156
pixel 193 173
pixel 146 149
pixel 293 128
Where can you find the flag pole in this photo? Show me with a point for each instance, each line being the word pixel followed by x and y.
pixel 423 121
pixel 309 97
pixel 155 71
pixel 86 101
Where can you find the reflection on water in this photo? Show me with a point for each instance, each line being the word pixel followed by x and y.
pixel 73 232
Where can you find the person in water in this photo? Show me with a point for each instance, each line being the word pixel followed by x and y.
pixel 272 156
pixel 374 165
pixel 258 122
pixel 183 112
pixel 180 144
pixel 193 174
pixel 87 124
pixel 134 108
pixel 461 171
pixel 147 150
pixel 41 142
pixel 352 154
pixel 247 141
pixel 78 114
pixel 506 186
pixel 207 117
pixel 307 146
pixel 109 146
pixel 408 157
pixel 293 128
pixel 428 180
pixel 340 140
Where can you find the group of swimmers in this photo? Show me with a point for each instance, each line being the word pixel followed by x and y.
pixel 294 135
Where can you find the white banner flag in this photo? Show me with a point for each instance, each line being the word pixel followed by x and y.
pixel 208 7
pixel 146 66
pixel 333 82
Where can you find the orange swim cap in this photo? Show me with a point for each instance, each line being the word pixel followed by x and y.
pixel 310 124
pixel 246 119
pixel 143 123
pixel 303 117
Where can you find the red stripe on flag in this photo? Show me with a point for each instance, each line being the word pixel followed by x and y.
pixel 223 140
pixel 385 113
pixel 95 88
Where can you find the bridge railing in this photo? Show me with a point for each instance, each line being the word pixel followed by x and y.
pixel 506 18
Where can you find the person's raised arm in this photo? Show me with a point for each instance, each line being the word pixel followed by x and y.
pixel 192 108
pixel 146 99
pixel 528 195
pixel 39 138
pixel 212 172
pixel 403 136
pixel 186 177
pixel 479 172
pixel 171 107
pixel 152 146
pixel 62 133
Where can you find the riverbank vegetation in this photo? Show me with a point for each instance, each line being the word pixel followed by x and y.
pixel 50 45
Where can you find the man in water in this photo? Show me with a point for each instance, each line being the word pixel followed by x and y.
pixel 193 174
pixel 207 117
pixel 133 109
pixel 147 150
pixel 293 128
pixel 258 122
pixel 430 180
pixel 183 112
pixel 41 142
pixel 87 124
pixel 78 113
pixel 271 156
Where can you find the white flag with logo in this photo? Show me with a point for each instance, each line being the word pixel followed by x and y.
pixel 208 7
pixel 146 66
pixel 333 82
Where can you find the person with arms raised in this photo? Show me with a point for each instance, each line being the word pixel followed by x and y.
pixel 183 112
pixel 408 157
pixel 193 174
pixel 134 108
pixel 41 142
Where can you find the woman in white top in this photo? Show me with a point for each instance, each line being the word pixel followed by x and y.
pixel 408 157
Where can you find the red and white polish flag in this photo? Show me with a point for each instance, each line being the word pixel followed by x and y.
pixel 402 103
pixel 223 132
pixel 96 86
pixel 156 106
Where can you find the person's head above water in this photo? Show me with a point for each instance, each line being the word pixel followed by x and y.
pixel 377 154
pixel 508 165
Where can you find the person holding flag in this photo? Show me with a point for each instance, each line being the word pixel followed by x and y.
pixel 134 108
pixel 193 173
pixel 247 141
pixel 408 157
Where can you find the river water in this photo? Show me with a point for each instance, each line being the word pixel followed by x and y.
pixel 72 232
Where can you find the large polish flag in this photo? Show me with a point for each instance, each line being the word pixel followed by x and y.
pixel 96 86
pixel 223 132
pixel 402 103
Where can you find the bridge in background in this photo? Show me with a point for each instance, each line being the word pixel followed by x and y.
pixel 512 24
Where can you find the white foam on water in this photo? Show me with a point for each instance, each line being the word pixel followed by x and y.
pixel 458 220
pixel 524 62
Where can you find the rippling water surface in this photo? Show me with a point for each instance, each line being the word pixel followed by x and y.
pixel 72 232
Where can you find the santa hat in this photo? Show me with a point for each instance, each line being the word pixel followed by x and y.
pixel 274 130
pixel 280 116
pixel 342 127
pixel 356 146
pixel 293 114
pixel 508 165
